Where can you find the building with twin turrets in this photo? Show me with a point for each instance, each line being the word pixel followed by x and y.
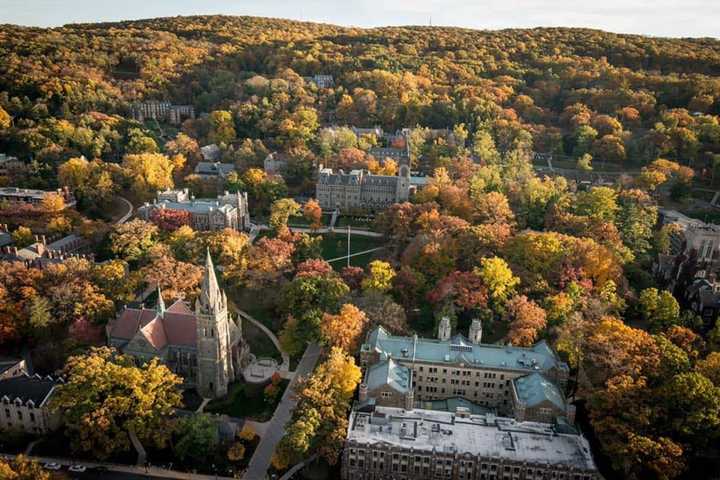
pixel 361 190
pixel 203 344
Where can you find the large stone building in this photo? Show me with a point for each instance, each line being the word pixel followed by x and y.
pixel 163 111
pixel 204 345
pixel 32 196
pixel 229 210
pixel 24 404
pixel 385 443
pixel 361 190
pixel 455 366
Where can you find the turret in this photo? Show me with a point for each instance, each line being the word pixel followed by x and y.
pixel 160 307
pixel 475 334
pixel 445 329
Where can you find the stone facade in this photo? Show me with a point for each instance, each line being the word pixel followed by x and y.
pixel 229 210
pixel 24 404
pixel 204 345
pixel 386 443
pixel 456 367
pixel 163 111
pixel 360 190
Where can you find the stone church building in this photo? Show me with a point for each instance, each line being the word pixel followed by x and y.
pixel 203 344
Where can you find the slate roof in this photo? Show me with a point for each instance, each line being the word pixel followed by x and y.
pixel 196 206
pixel 534 389
pixel 8 363
pixel 459 349
pixel 28 388
pixel 214 168
pixel 390 373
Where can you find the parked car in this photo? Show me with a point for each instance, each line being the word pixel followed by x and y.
pixel 52 466
pixel 77 468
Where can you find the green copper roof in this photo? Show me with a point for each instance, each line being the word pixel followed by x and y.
pixel 388 373
pixel 538 358
pixel 534 389
pixel 452 404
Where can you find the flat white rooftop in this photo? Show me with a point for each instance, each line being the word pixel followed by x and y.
pixel 479 435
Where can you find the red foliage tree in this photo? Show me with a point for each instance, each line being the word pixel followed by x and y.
pixel 170 220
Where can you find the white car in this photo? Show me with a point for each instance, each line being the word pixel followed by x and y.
pixel 52 466
pixel 77 468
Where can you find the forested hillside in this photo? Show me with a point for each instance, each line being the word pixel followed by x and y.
pixel 622 98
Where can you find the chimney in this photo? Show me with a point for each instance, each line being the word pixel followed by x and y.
pixel 409 400
pixel 363 392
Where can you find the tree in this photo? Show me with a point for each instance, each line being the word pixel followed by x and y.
pixel 52 203
pixel 169 220
pixel 236 452
pixel 106 395
pixel 22 468
pixel 499 279
pixel 5 119
pixel 148 173
pixel 227 246
pixel 526 319
pixel 343 330
pixel 313 214
pixel 197 438
pixel 177 280
pixel 222 127
pixel 305 293
pixel 379 277
pixel 382 310
pixel 281 211
pixel 132 240
pixel 22 236
pixel 598 202
pixel 493 207
pixel 660 309
pixel 584 163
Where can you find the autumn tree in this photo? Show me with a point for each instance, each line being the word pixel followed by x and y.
pixel 22 468
pixel 313 214
pixel 344 329
pixel 499 279
pixel 526 320
pixel 222 127
pixel 197 438
pixel 380 276
pixel 659 309
pixel 105 396
pixel 176 279
pixel 132 240
pixel 169 220
pixel 148 173
pixel 281 211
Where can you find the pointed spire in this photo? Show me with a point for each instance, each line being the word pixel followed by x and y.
pixel 210 291
pixel 160 302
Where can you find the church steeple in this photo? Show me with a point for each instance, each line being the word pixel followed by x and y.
pixel 210 295
pixel 160 307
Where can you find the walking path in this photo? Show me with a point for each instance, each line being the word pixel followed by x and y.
pixel 129 213
pixel 354 254
pixel 297 467
pixel 353 231
pixel 260 462
pixel 285 357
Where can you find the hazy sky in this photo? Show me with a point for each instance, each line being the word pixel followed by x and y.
pixel 676 18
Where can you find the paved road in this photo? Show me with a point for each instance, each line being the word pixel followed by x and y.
pixel 117 471
pixel 260 462
pixel 129 213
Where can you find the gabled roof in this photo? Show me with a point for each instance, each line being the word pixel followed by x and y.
pixel 534 389
pixel 388 373
pixel 28 388
pixel 154 332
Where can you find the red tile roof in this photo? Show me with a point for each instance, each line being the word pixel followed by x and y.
pixel 181 329
pixel 177 327
pixel 155 333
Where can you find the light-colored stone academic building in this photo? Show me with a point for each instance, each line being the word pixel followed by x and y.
pixel 361 190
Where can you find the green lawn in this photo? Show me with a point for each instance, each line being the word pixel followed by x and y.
pixel 364 222
pixel 260 344
pixel 246 400
pixel 334 245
